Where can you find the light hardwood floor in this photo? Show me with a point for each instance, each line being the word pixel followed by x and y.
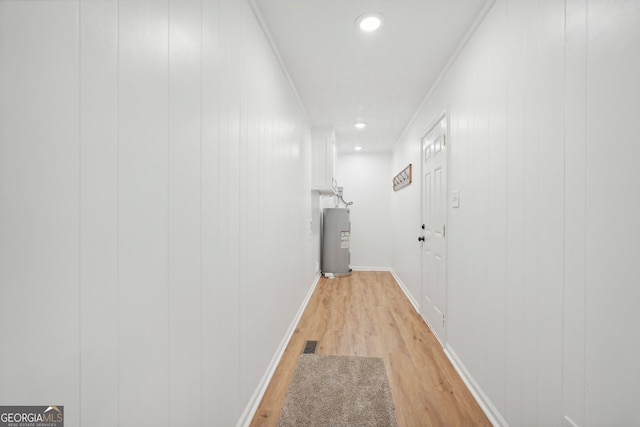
pixel 367 314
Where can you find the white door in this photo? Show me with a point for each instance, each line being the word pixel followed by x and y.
pixel 433 233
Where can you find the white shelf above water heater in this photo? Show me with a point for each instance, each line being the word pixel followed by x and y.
pixel 323 161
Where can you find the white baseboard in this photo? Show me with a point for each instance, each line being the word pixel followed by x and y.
pixel 485 404
pixel 371 268
pixel 256 398
pixel 568 422
pixel 487 407
pixel 410 297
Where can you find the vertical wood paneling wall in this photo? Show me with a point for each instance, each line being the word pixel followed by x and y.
pixel 542 253
pixel 154 226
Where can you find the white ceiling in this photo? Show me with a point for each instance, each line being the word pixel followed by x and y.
pixel 344 75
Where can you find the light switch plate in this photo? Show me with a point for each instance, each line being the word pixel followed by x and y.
pixel 455 199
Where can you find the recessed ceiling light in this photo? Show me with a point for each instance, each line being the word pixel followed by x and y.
pixel 369 22
pixel 358 148
pixel 360 125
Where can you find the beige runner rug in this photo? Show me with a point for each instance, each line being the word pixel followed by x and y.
pixel 338 391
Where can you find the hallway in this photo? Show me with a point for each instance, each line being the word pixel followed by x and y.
pixel 367 315
pixel 161 207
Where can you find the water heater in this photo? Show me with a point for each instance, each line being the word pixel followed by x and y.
pixel 336 236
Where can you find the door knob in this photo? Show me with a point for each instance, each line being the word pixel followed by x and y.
pixel 421 239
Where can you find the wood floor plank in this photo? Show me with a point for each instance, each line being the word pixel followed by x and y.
pixel 367 314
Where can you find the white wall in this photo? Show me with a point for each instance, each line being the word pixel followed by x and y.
pixel 405 220
pixel 542 252
pixel 366 178
pixel 142 146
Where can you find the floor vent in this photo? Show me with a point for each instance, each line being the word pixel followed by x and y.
pixel 310 347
